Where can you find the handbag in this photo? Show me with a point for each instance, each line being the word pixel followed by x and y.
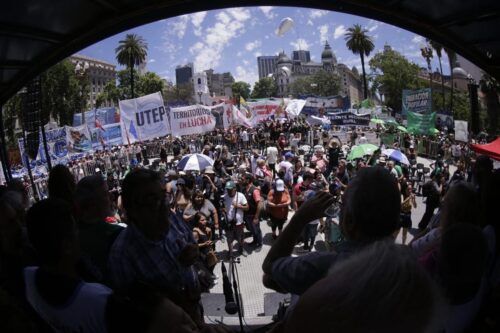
pixel 211 259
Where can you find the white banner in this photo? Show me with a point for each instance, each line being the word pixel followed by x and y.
pixel 294 107
pixel 143 118
pixel 193 119
pixel 78 139
pixel 262 110
pixel 240 118
pixel 461 132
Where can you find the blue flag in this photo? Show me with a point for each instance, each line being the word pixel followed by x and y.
pixel 132 130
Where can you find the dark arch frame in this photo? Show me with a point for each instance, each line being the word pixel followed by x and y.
pixel 36 34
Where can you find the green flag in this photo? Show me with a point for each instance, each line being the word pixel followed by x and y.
pixel 420 123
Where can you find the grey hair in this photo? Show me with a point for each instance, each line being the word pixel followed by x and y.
pixel 380 289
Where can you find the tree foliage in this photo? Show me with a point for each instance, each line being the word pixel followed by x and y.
pixel 265 87
pixel 178 93
pixel 320 84
pixel 359 42
pixel 392 73
pixel 241 88
pixel 131 51
pixel 149 83
pixel 490 88
pixel 63 93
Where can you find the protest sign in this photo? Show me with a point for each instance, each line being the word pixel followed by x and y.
pixel 294 107
pixel 223 115
pixel 240 118
pixel 417 101
pixel 421 123
pixel 78 139
pixel 320 106
pixel 193 119
pixel 444 120
pixel 461 131
pixel 264 109
pixel 56 145
pixel 110 135
pixel 349 119
pixel 143 118
pixel 104 116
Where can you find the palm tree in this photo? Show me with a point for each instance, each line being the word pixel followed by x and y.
pixel 358 41
pixel 452 59
pixel 439 52
pixel 131 51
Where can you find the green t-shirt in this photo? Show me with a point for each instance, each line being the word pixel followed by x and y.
pixel 398 170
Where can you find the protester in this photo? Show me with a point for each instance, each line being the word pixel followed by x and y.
pixel 278 201
pixel 54 289
pixel 235 204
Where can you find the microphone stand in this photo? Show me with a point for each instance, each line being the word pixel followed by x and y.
pixel 233 271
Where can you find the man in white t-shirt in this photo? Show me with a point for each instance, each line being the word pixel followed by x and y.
pixel 245 138
pixel 272 158
pixel 235 205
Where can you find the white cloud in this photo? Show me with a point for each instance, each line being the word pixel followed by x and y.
pixel 267 11
pixel 375 36
pixel 266 36
pixel 197 19
pixel 179 25
pixel 417 39
pixel 309 22
pixel 323 33
pixel 239 14
pixel 300 44
pixel 246 75
pixel 317 13
pixel 257 54
pixel 151 60
pixel 339 31
pixel 239 54
pixel 228 25
pixel 372 25
pixel 246 62
pixel 250 46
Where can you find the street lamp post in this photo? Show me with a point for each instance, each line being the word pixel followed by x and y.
pixel 199 95
pixel 81 73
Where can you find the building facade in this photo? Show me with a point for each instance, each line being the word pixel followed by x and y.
pixel 184 74
pixel 99 73
pixel 350 83
pixel 266 65
pixel 288 70
pixel 220 84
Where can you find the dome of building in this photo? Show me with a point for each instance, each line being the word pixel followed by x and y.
pixel 459 72
pixel 283 59
pixel 327 54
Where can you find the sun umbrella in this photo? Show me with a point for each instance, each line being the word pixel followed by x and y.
pixel 377 121
pixel 402 129
pixel 361 150
pixel 196 162
pixel 391 122
pixel 433 131
pixel 396 155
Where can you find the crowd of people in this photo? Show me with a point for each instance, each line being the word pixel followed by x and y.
pixel 127 242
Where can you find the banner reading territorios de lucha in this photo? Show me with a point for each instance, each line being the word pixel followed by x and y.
pixel 193 119
pixel 420 123
pixel 143 118
pixel 418 101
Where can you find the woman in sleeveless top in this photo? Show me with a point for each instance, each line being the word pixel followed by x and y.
pixel 202 235
pixel 406 206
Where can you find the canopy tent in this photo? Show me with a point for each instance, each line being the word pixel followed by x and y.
pixel 491 149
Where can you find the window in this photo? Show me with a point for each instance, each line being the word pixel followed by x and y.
pixel 287 81
pixel 199 81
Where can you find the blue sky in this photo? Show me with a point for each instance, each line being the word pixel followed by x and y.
pixel 231 39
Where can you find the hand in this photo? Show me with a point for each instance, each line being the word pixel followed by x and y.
pixel 315 207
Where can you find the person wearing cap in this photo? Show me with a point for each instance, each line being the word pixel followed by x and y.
pixel 235 204
pixel 278 200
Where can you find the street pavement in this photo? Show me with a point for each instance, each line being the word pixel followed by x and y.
pixel 259 303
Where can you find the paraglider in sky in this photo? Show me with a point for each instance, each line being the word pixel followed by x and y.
pixel 285 25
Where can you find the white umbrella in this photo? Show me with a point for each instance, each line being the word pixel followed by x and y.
pixel 197 162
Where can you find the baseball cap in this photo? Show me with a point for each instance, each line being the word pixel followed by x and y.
pixel 280 185
pixel 181 181
pixel 230 185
